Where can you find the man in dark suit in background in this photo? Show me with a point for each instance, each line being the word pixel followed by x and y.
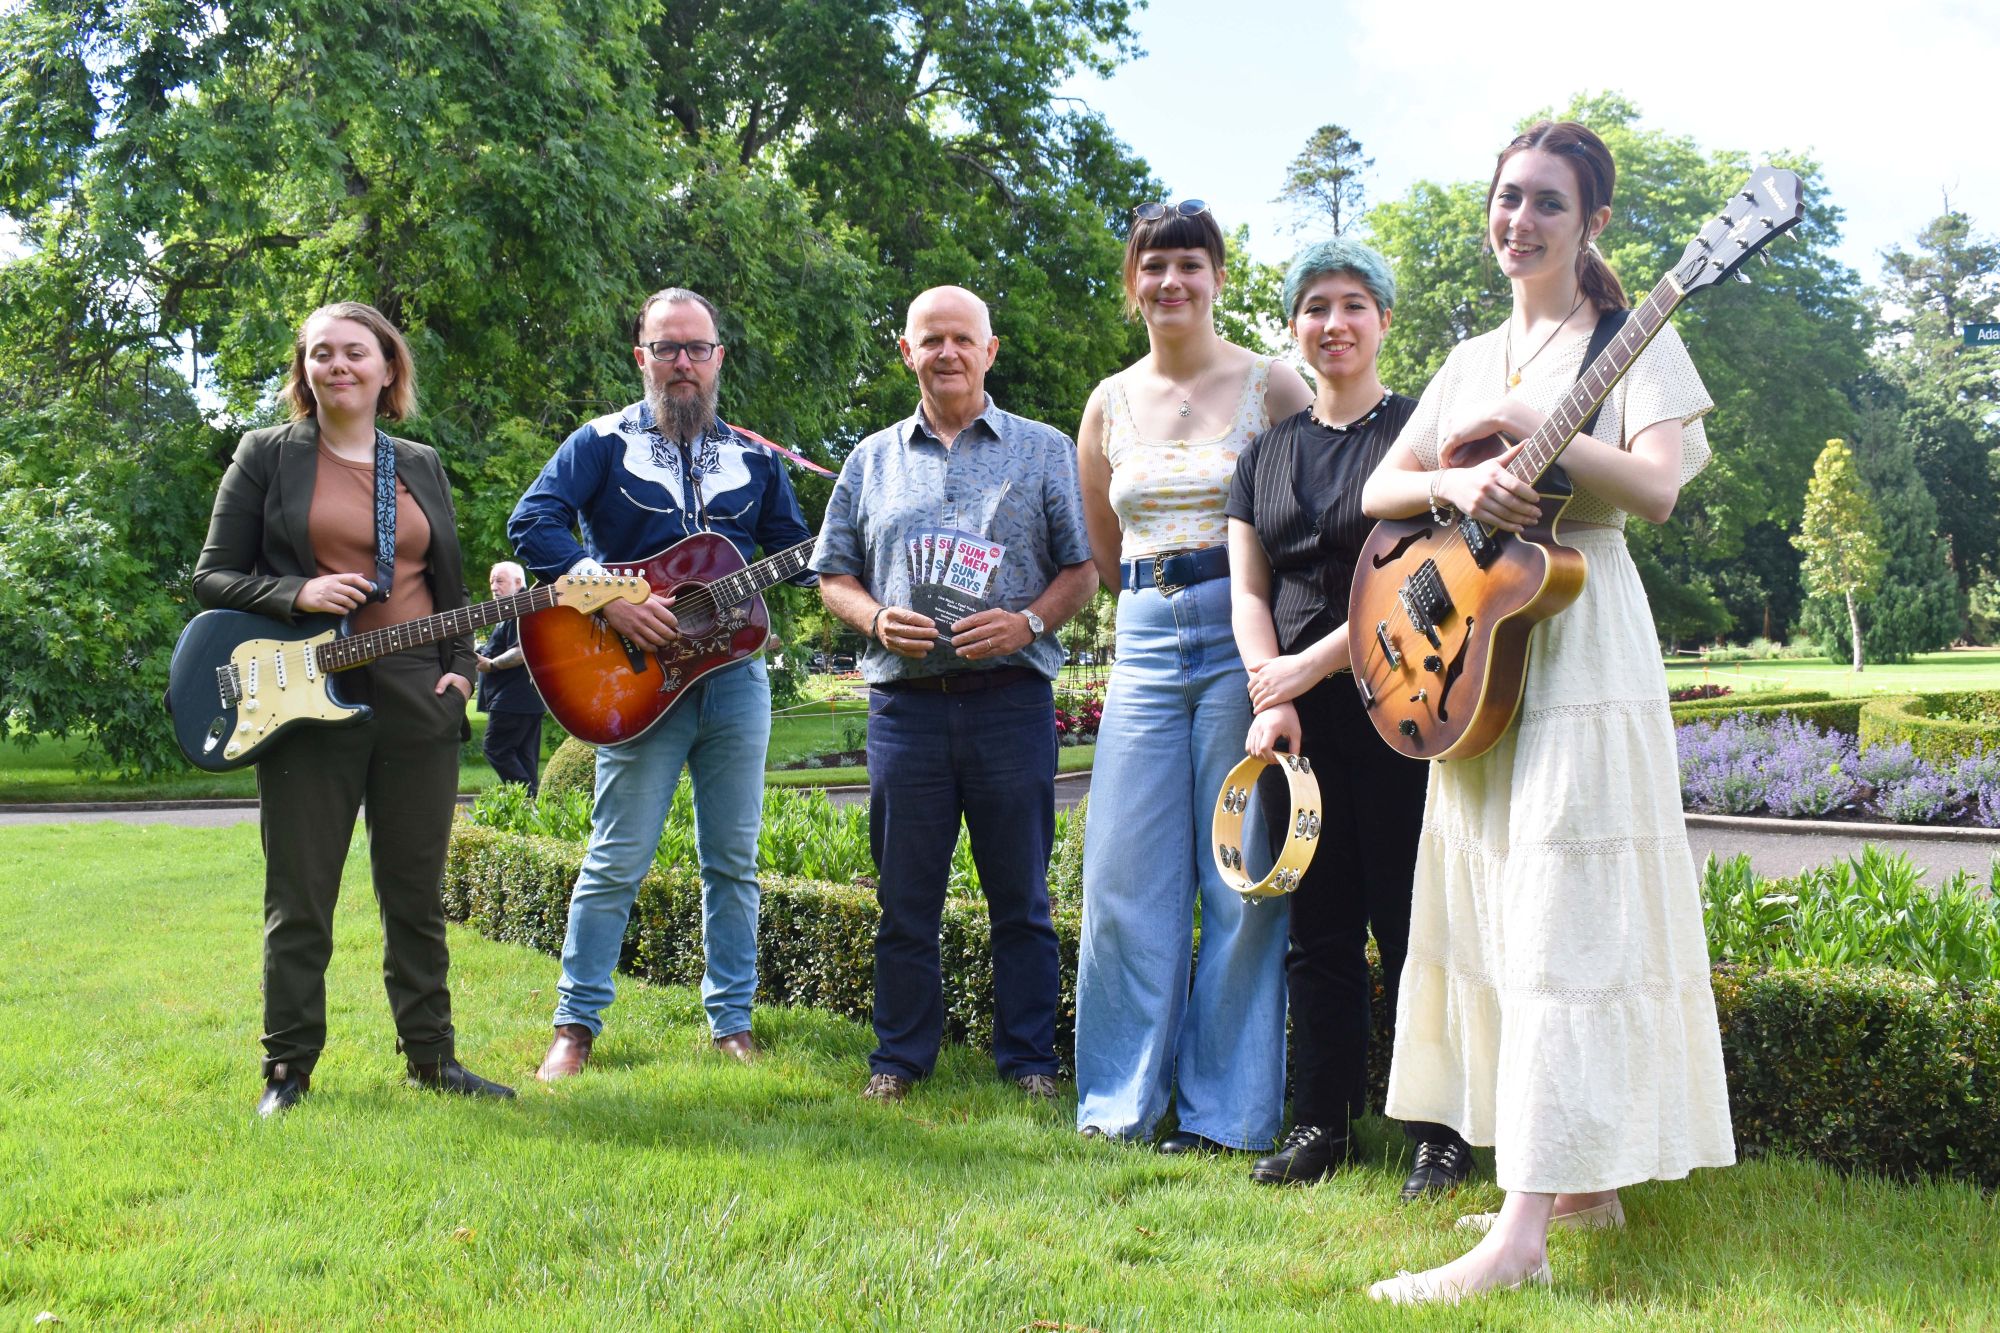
pixel 507 695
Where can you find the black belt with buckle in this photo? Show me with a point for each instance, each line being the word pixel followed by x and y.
pixel 1170 571
pixel 962 682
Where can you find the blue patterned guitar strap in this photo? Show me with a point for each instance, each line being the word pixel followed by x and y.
pixel 385 517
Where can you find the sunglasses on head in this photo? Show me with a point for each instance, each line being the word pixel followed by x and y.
pixel 1159 208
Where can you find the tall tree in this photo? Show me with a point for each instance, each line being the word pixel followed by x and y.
pixel 1951 393
pixel 1840 537
pixel 1323 183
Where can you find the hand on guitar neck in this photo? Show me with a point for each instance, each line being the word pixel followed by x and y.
pixel 649 624
pixel 1485 489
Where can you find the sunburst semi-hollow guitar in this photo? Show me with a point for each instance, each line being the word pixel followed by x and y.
pixel 240 681
pixel 1439 616
pixel 605 689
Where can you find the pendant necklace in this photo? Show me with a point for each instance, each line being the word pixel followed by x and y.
pixel 1514 371
pixel 1185 408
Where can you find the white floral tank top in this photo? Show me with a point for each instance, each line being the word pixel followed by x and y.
pixel 1169 494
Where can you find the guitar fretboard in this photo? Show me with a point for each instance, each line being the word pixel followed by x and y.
pixel 1542 448
pixel 360 649
pixel 746 582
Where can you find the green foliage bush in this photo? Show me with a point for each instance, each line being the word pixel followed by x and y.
pixel 573 767
pixel 1687 709
pixel 1863 1069
pixel 1940 727
pixel 1760 649
pixel 1842 715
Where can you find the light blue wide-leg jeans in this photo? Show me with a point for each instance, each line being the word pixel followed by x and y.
pixel 720 734
pixel 1174 724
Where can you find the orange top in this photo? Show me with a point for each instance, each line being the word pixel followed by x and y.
pixel 342 526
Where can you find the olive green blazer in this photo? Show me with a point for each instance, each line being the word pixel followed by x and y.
pixel 259 550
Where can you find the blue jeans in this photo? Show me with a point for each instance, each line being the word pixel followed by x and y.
pixel 719 731
pixel 990 758
pixel 1174 724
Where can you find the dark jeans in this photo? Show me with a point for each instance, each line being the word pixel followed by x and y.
pixel 513 745
pixel 1360 880
pixel 989 757
pixel 404 763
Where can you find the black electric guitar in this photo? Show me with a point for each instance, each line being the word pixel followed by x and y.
pixel 239 681
pixel 1439 616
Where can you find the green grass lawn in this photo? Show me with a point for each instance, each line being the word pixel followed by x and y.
pixel 1959 669
pixel 669 1188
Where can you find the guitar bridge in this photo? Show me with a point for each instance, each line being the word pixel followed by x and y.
pixel 229 685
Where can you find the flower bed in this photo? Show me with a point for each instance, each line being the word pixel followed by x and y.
pixel 1778 763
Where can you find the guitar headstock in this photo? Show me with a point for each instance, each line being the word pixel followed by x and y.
pixel 588 592
pixel 1767 206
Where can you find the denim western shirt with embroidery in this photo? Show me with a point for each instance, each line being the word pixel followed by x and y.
pixel 1005 477
pixel 633 493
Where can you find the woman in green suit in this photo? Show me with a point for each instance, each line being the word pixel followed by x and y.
pixel 329 515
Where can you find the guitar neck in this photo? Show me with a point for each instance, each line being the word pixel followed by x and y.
pixel 360 649
pixel 1542 448
pixel 752 579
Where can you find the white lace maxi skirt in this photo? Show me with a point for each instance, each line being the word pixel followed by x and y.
pixel 1556 1001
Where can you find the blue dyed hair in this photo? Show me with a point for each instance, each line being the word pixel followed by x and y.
pixel 1339 255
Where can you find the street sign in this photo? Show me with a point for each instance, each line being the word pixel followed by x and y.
pixel 1982 335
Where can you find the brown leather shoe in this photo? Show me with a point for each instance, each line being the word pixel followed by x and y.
pixel 739 1044
pixel 886 1088
pixel 568 1053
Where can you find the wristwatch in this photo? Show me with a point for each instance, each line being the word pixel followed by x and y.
pixel 1035 624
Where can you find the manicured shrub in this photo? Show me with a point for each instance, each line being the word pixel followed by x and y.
pixel 573 767
pixel 1864 1069
pixel 1940 727
pixel 1730 703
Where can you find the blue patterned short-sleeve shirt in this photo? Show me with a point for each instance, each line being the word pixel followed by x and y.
pixel 1005 477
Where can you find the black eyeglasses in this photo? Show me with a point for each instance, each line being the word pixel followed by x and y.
pixel 1159 208
pixel 666 350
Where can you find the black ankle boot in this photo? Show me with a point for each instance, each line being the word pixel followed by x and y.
pixel 1308 1153
pixel 1442 1167
pixel 448 1075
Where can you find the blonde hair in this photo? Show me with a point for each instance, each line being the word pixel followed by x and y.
pixel 398 399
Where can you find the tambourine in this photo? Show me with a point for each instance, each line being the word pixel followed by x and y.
pixel 1301 836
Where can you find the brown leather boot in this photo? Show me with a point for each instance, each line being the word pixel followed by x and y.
pixel 568 1053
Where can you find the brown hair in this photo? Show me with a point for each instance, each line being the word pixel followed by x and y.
pixel 1596 176
pixel 398 399
pixel 1172 232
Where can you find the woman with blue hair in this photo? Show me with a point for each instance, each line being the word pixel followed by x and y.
pixel 1295 529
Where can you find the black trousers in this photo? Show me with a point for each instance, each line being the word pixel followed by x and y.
pixel 513 745
pixel 404 763
pixel 1359 881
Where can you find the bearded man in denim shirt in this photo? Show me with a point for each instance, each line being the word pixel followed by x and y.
pixel 636 482
pixel 965 729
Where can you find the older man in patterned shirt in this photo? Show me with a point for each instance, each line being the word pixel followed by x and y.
pixel 961 718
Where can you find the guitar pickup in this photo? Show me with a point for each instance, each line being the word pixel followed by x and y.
pixel 1388 649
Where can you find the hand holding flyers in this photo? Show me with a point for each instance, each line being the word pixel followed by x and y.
pixel 951 571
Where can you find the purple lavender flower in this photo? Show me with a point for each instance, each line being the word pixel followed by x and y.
pixel 1919 799
pixel 1885 765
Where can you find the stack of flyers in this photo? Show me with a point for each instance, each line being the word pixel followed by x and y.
pixel 950 572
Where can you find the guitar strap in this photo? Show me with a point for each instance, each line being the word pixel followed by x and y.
pixel 1600 338
pixel 385 517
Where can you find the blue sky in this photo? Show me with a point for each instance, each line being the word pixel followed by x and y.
pixel 1897 102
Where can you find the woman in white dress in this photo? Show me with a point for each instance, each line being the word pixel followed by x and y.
pixel 1556 1001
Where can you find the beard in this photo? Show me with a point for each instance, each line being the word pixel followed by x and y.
pixel 680 417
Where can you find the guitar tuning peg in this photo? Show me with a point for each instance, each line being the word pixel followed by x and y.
pixel 1763 259
pixel 1741 276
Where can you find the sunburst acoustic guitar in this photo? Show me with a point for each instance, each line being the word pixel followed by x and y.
pixel 1439 615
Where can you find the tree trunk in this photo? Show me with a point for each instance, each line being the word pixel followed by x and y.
pixel 1854 624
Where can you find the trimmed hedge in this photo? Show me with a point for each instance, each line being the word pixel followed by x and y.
pixel 1942 743
pixel 1842 715
pixel 1859 1069
pixel 573 767
pixel 1730 703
